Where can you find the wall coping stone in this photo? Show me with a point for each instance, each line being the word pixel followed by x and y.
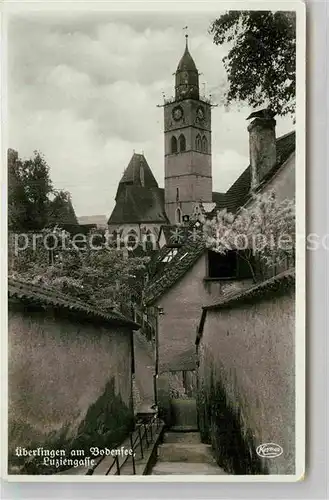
pixel 44 295
pixel 262 290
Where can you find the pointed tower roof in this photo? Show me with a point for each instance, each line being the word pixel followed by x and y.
pixel 139 198
pixel 187 77
pixel 137 173
pixel 186 63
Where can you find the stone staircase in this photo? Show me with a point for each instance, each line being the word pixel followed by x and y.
pixel 182 452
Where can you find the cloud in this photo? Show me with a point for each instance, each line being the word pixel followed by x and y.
pixel 84 90
pixel 227 166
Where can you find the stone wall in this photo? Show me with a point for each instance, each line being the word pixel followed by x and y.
pixel 69 384
pixel 247 384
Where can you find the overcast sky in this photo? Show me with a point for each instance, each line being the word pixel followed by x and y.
pixel 84 88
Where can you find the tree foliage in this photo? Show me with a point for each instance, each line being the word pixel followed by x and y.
pixel 32 201
pixel 99 274
pixel 264 231
pixel 261 62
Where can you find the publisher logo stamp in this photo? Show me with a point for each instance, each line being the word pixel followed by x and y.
pixel 269 450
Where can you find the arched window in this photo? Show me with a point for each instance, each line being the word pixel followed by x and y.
pixel 178 215
pixel 204 144
pixel 150 240
pixel 131 240
pixel 198 142
pixel 173 144
pixel 177 194
pixel 182 143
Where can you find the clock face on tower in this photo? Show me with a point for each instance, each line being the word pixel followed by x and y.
pixel 177 113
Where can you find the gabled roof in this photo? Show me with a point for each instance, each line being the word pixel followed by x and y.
pixel 139 198
pixel 138 173
pixel 137 204
pixel 41 294
pixel 238 194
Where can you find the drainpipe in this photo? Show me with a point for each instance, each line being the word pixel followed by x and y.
pixel 159 311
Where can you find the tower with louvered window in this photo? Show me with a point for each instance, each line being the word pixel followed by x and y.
pixel 187 131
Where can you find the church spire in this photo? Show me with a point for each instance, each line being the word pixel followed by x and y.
pixel 187 76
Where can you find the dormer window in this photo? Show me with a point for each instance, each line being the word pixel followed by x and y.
pixel 230 265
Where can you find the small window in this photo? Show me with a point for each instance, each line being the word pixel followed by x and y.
pixel 204 145
pixel 182 143
pixel 198 142
pixel 229 265
pixel 132 240
pixel 178 215
pixel 173 144
pixel 177 194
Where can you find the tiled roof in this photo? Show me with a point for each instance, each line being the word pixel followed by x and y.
pixel 139 198
pixel 238 193
pixel 137 204
pixel 170 272
pixel 172 237
pixel 277 284
pixel 219 199
pixel 40 294
pixel 139 173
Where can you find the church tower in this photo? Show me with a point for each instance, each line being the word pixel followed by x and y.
pixel 187 130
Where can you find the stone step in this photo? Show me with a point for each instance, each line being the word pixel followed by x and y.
pixel 165 468
pixel 181 452
pixel 184 428
pixel 182 437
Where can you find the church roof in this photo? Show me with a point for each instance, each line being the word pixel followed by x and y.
pixel 138 204
pixel 138 173
pixel 186 78
pixel 193 246
pixel 186 63
pixel 139 198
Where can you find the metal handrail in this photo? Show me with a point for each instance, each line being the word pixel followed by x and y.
pixel 134 443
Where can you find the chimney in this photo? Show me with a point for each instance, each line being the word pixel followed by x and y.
pixel 262 146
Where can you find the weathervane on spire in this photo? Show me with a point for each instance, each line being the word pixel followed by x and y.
pixel 186 33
